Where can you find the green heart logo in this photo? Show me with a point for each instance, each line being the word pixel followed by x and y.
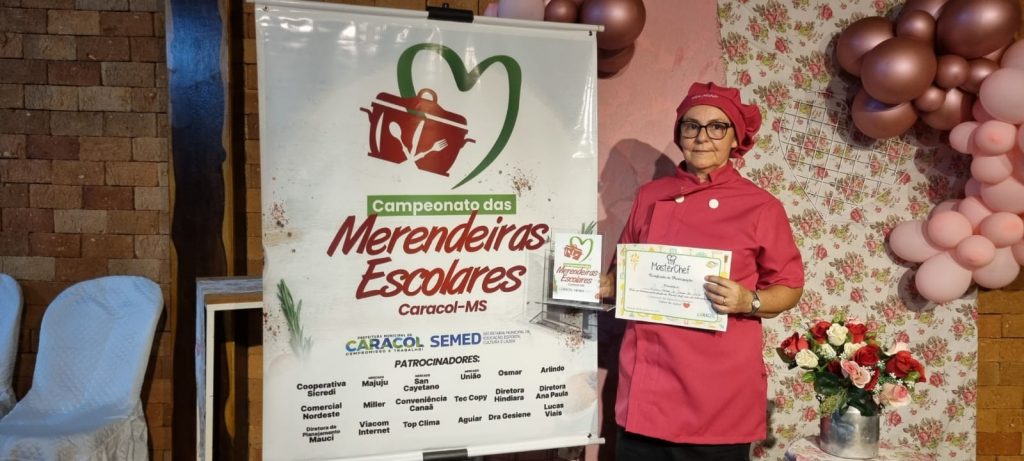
pixel 589 243
pixel 465 80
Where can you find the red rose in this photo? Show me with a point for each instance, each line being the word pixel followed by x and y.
pixel 901 364
pixel 857 332
pixel 866 356
pixel 819 331
pixel 835 368
pixel 794 344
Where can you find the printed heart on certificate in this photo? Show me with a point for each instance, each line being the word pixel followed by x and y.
pixel 580 242
pixel 686 305
pixel 465 80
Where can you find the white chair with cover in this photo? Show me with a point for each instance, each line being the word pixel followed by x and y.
pixel 84 403
pixel 10 321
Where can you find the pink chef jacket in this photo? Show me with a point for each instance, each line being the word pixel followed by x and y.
pixel 687 385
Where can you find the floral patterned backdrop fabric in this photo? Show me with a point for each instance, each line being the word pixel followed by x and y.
pixel 843 194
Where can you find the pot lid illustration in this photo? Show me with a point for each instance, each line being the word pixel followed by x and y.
pixel 416 129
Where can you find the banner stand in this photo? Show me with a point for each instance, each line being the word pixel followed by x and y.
pixel 446 455
pixel 446 13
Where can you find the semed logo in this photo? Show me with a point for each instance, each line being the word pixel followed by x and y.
pixel 461 339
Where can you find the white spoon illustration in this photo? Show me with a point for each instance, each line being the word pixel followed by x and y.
pixel 396 131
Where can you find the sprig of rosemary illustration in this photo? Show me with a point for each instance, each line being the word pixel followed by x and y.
pixel 300 345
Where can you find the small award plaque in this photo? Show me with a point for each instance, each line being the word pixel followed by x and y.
pixel 576 272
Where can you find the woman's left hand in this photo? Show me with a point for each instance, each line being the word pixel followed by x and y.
pixel 727 296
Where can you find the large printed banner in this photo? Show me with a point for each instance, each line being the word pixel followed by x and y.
pixel 413 173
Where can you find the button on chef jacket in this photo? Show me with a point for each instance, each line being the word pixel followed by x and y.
pixel 688 385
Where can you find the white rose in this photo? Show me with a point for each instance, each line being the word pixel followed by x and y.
pixel 897 347
pixel 837 334
pixel 850 348
pixel 806 359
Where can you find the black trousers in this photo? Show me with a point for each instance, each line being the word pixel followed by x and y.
pixel 634 447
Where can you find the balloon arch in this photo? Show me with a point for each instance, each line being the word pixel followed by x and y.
pixel 623 20
pixel 952 65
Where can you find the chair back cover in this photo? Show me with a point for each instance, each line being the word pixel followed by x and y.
pixel 94 348
pixel 10 322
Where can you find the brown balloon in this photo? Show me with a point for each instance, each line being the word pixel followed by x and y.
pixel 952 71
pixel 917 25
pixel 980 69
pixel 880 120
pixel 974 28
pixel 623 20
pixel 898 70
pixel 612 61
pixel 956 108
pixel 561 11
pixel 932 7
pixel 931 99
pixel 859 38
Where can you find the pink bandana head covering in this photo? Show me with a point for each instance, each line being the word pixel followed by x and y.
pixel 745 118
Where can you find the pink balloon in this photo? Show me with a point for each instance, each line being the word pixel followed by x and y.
pixel 974 210
pixel 1001 95
pixel 1014 56
pixel 991 169
pixel 1018 252
pixel 975 251
pixel 948 228
pixel 994 137
pixel 1000 272
pixel 945 205
pixel 909 242
pixel 979 113
pixel 941 279
pixel 1007 195
pixel 1002 228
pixel 960 137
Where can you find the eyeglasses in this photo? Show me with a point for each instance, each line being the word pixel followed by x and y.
pixel 690 129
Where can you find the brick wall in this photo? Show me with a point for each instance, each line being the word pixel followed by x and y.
pixel 1001 373
pixel 83 163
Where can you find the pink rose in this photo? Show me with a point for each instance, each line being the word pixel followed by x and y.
pixel 895 419
pixel 936 380
pixel 820 252
pixel 858 375
pixel 895 395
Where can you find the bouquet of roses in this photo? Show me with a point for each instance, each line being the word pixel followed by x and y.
pixel 849 369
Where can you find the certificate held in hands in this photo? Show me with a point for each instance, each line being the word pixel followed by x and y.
pixel 665 284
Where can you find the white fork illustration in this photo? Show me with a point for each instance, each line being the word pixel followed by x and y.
pixel 438 145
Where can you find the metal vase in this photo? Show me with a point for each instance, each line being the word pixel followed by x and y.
pixel 850 435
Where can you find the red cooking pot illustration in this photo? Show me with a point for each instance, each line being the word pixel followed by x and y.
pixel 416 129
